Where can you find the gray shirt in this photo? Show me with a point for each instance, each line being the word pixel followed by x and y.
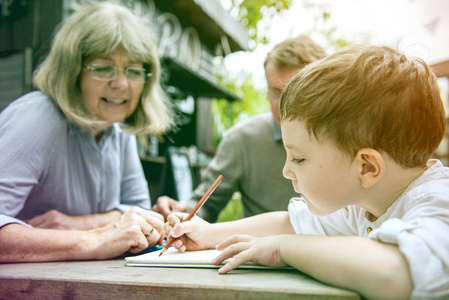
pixel 47 163
pixel 251 161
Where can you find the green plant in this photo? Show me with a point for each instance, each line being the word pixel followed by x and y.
pixel 233 210
pixel 226 113
pixel 250 12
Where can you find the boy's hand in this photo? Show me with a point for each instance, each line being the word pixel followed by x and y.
pixel 244 248
pixel 190 235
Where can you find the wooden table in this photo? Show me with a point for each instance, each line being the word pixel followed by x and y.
pixel 112 279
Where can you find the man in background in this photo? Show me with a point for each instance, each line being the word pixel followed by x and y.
pixel 251 155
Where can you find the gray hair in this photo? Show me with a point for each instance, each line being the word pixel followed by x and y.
pixel 100 29
pixel 295 53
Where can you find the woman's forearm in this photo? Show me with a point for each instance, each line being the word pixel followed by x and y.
pixel 134 231
pixel 19 243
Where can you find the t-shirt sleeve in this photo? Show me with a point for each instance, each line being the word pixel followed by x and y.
pixel 422 236
pixel 425 244
pixel 5 220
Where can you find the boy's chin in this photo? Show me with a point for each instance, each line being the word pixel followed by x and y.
pixel 318 211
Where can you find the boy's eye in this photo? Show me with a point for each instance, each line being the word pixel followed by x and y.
pixel 297 161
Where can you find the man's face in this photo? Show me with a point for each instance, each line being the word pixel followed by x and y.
pixel 277 81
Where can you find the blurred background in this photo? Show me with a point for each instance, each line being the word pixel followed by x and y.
pixel 416 27
pixel 212 53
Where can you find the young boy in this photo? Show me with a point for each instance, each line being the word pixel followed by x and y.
pixel 359 128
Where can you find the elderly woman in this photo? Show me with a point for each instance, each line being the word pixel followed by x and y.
pixel 71 183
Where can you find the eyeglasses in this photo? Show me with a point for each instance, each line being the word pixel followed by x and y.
pixel 107 73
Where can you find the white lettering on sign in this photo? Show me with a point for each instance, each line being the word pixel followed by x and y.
pixel 190 48
pixel 175 41
pixel 170 31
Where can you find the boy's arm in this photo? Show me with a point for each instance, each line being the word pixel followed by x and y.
pixel 266 224
pixel 374 269
pixel 197 234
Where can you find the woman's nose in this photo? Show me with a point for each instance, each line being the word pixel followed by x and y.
pixel 120 80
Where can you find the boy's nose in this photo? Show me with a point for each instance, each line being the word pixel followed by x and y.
pixel 287 173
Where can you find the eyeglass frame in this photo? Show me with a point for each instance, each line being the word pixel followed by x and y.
pixel 116 70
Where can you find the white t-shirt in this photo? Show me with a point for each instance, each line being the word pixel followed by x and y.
pixel 417 222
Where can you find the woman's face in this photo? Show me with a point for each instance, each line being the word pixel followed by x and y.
pixel 111 100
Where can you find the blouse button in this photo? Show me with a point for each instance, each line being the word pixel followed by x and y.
pixel 369 229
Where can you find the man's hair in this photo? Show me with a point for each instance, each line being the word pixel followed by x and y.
pixel 99 29
pixel 369 97
pixel 294 53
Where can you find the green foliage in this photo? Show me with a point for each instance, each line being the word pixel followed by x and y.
pixel 226 113
pixel 251 12
pixel 233 210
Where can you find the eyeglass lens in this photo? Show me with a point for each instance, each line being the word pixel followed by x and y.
pixel 107 72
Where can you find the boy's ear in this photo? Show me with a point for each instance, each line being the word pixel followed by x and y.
pixel 371 166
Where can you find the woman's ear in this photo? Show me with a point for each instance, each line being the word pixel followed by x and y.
pixel 371 166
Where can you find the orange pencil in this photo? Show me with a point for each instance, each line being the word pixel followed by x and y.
pixel 193 212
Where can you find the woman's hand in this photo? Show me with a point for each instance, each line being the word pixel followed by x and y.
pixel 190 235
pixel 134 231
pixel 244 248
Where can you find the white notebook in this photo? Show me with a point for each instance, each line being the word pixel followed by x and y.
pixel 189 259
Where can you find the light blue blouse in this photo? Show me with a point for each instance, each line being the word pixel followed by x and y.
pixel 47 163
